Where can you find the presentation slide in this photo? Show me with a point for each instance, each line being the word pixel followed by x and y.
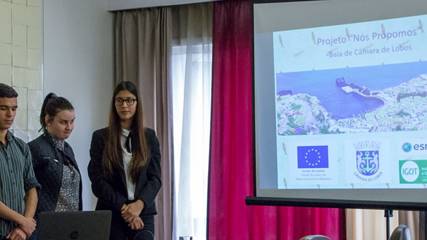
pixel 351 105
pixel 340 102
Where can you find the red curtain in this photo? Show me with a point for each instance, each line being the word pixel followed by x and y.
pixel 231 157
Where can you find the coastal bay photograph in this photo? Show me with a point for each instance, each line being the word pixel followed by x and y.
pixel 382 98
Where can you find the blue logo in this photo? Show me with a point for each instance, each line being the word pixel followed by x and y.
pixel 313 157
pixel 406 147
pixel 367 162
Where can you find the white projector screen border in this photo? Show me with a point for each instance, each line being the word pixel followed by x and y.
pixel 322 13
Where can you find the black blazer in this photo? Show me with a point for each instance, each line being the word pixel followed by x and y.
pixel 111 191
pixel 48 164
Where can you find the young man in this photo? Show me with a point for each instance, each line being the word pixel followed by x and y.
pixel 18 193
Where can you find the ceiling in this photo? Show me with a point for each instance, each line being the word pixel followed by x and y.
pixel 129 4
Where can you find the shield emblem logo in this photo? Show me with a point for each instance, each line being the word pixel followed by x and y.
pixel 367 162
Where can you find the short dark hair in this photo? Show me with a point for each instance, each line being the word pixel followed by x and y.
pixel 7 91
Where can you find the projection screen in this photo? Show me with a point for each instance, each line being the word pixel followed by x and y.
pixel 341 102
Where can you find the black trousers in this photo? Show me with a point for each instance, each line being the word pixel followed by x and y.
pixel 121 231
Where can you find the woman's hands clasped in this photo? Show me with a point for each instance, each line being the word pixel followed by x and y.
pixel 130 213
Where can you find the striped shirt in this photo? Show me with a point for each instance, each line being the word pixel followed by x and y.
pixel 16 177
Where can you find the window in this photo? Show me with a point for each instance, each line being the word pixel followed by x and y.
pixel 191 96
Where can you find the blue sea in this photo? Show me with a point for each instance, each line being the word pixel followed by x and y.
pixel 321 83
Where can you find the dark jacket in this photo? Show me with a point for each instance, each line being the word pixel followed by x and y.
pixel 111 190
pixel 48 163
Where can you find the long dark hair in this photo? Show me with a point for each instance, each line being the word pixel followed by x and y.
pixel 52 105
pixel 112 151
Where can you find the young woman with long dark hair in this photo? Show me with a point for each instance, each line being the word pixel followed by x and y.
pixel 125 167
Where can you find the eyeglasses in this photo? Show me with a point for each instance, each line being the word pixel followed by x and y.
pixel 129 101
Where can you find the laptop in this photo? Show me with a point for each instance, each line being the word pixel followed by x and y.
pixel 90 225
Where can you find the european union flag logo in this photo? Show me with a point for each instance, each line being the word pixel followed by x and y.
pixel 312 157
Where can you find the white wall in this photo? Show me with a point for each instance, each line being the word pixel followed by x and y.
pixel 129 4
pixel 20 60
pixel 78 64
